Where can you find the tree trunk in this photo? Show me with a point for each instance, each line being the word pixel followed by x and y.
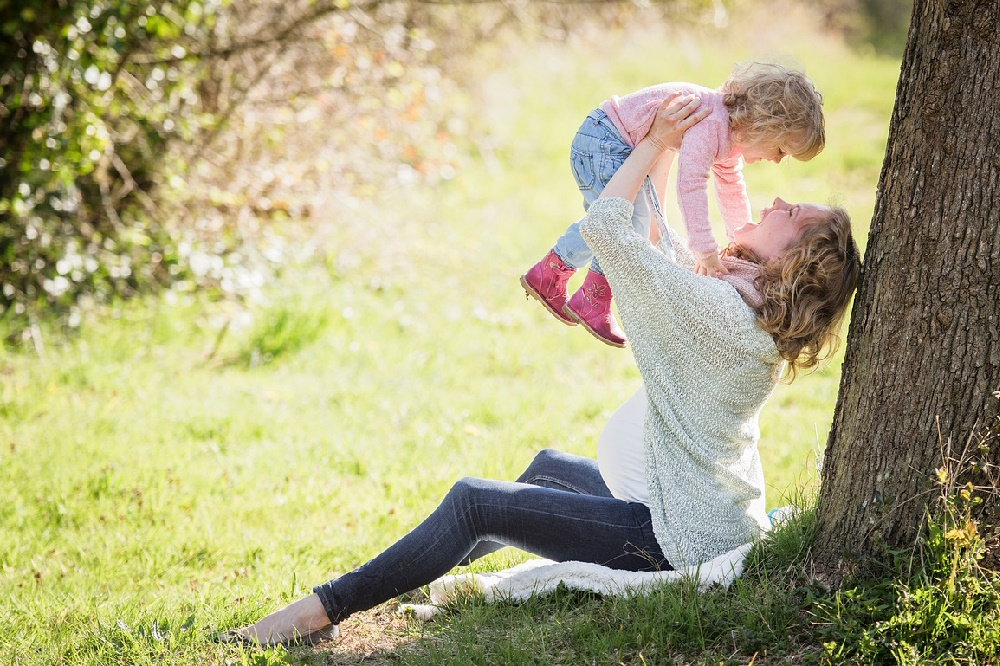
pixel 922 361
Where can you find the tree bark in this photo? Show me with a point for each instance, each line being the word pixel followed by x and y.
pixel 922 361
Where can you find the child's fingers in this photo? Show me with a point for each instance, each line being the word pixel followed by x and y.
pixel 710 268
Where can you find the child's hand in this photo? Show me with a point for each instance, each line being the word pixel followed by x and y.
pixel 711 266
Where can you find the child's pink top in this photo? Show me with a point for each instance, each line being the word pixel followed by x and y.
pixel 706 148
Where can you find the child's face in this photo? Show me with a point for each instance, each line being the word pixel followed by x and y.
pixel 763 150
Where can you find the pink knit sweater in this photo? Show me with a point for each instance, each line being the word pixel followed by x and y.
pixel 706 149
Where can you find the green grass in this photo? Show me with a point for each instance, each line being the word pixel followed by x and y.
pixel 178 466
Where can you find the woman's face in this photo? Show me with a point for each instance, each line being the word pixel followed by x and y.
pixel 780 225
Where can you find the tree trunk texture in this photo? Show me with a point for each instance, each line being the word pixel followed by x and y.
pixel 922 359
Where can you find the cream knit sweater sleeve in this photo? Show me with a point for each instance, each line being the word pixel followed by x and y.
pixel 708 369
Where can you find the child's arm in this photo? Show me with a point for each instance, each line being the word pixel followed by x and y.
pixel 731 193
pixel 697 157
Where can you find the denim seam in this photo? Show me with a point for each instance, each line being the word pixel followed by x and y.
pixel 558 482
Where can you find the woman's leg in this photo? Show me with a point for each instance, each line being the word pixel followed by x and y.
pixel 556 524
pixel 552 468
pixel 549 469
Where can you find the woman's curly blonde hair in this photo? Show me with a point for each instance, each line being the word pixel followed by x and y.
pixel 806 291
pixel 773 104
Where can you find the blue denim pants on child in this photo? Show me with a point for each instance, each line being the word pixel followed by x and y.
pixel 559 508
pixel 597 152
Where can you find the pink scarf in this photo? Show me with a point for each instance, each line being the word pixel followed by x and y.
pixel 742 275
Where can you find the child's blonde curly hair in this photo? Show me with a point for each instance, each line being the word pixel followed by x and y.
pixel 773 104
pixel 806 290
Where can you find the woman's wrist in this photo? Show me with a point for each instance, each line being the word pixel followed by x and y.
pixel 650 148
pixel 659 144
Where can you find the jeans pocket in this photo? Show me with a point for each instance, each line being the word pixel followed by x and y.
pixel 593 170
pixel 610 162
pixel 584 172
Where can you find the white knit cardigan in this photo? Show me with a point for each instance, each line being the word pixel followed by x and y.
pixel 708 369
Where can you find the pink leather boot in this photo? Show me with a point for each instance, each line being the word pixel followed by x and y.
pixel 591 306
pixel 546 281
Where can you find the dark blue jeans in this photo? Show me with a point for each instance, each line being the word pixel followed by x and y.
pixel 559 508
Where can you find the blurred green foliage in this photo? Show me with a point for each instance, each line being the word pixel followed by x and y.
pixel 145 144
pixel 91 96
pixel 885 23
pixel 879 25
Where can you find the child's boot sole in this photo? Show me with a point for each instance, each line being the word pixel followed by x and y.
pixel 580 320
pixel 558 314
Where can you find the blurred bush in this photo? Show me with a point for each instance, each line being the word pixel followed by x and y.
pixel 141 143
pixel 91 97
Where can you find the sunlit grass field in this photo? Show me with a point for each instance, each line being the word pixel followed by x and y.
pixel 178 466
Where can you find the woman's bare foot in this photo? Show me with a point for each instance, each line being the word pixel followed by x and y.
pixel 303 621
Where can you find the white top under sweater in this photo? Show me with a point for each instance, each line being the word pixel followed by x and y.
pixel 708 369
pixel 621 454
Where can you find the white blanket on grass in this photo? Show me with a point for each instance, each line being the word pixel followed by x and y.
pixel 541 576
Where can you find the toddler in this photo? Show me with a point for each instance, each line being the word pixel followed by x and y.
pixel 762 112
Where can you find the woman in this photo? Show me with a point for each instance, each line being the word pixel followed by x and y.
pixel 710 352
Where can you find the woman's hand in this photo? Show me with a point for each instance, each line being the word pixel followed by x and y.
pixel 675 116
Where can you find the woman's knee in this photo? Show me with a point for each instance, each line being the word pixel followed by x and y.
pixel 540 464
pixel 467 488
pixel 548 454
pixel 546 458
